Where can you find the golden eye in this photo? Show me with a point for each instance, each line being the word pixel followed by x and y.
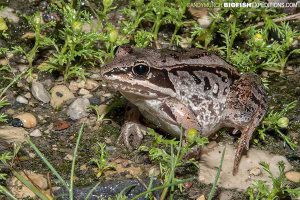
pixel 141 70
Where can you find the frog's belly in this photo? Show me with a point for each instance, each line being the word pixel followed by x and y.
pixel 152 111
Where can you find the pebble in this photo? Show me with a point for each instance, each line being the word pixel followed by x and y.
pixel 36 133
pixel 20 191
pixel 81 84
pixel 188 185
pixel 293 176
pixel 95 101
pixel 10 134
pixel 73 86
pixel 153 171
pixel 61 125
pixel 202 197
pixel 78 109
pixel 39 92
pixel 83 91
pixel 255 171
pixel 27 120
pixel 96 77
pixel 28 95
pixel 9 14
pixel 22 100
pixel 91 85
pixel 68 157
pixel 59 95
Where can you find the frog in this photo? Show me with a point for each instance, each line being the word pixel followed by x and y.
pixel 183 89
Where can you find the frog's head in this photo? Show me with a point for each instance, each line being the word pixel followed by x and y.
pixel 138 72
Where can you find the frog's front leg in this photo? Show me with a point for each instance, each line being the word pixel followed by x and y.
pixel 245 107
pixel 132 132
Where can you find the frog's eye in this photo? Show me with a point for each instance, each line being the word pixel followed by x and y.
pixel 141 70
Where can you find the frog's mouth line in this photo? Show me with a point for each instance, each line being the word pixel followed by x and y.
pixel 134 90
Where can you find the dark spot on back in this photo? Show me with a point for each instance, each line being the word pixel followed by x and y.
pixel 196 78
pixel 167 110
pixel 207 85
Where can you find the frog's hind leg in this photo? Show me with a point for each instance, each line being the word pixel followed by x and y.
pixel 245 107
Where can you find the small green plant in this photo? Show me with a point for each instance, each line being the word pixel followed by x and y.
pixel 3 103
pixel 173 158
pixel 101 159
pixel 260 191
pixel 277 121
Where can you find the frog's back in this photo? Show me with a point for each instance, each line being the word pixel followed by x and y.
pixel 202 80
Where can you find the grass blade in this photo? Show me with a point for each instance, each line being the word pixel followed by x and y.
pixel 5 191
pixel 74 161
pixel 213 189
pixel 28 184
pixel 53 170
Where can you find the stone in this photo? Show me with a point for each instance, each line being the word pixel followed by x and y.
pixel 59 95
pixel 73 86
pixel 255 171
pixel 39 92
pixel 68 157
pixel 10 134
pixel 83 91
pixel 95 101
pixel 9 14
pixel 293 176
pixel 36 133
pixel 20 191
pixel 202 197
pixel 22 100
pixel 61 125
pixel 28 120
pixel 91 85
pixel 78 109
pixel 210 161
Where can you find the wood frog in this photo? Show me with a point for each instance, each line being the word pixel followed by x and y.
pixel 189 88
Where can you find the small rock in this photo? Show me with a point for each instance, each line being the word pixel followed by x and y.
pixel 293 176
pixel 10 134
pixel 9 14
pixel 59 95
pixel 36 133
pixel 96 77
pixel 83 167
pixel 241 181
pixel 95 101
pixel 39 92
pixel 26 120
pixel 61 125
pixel 255 171
pixel 154 171
pixel 73 86
pixel 20 191
pixel 202 197
pixel 78 109
pixel 187 185
pixel 21 99
pixel 81 84
pixel 87 96
pixel 22 67
pixel 27 95
pixel 68 157
pixel 91 85
pixel 83 91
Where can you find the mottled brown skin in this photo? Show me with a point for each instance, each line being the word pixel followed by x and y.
pixel 190 88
